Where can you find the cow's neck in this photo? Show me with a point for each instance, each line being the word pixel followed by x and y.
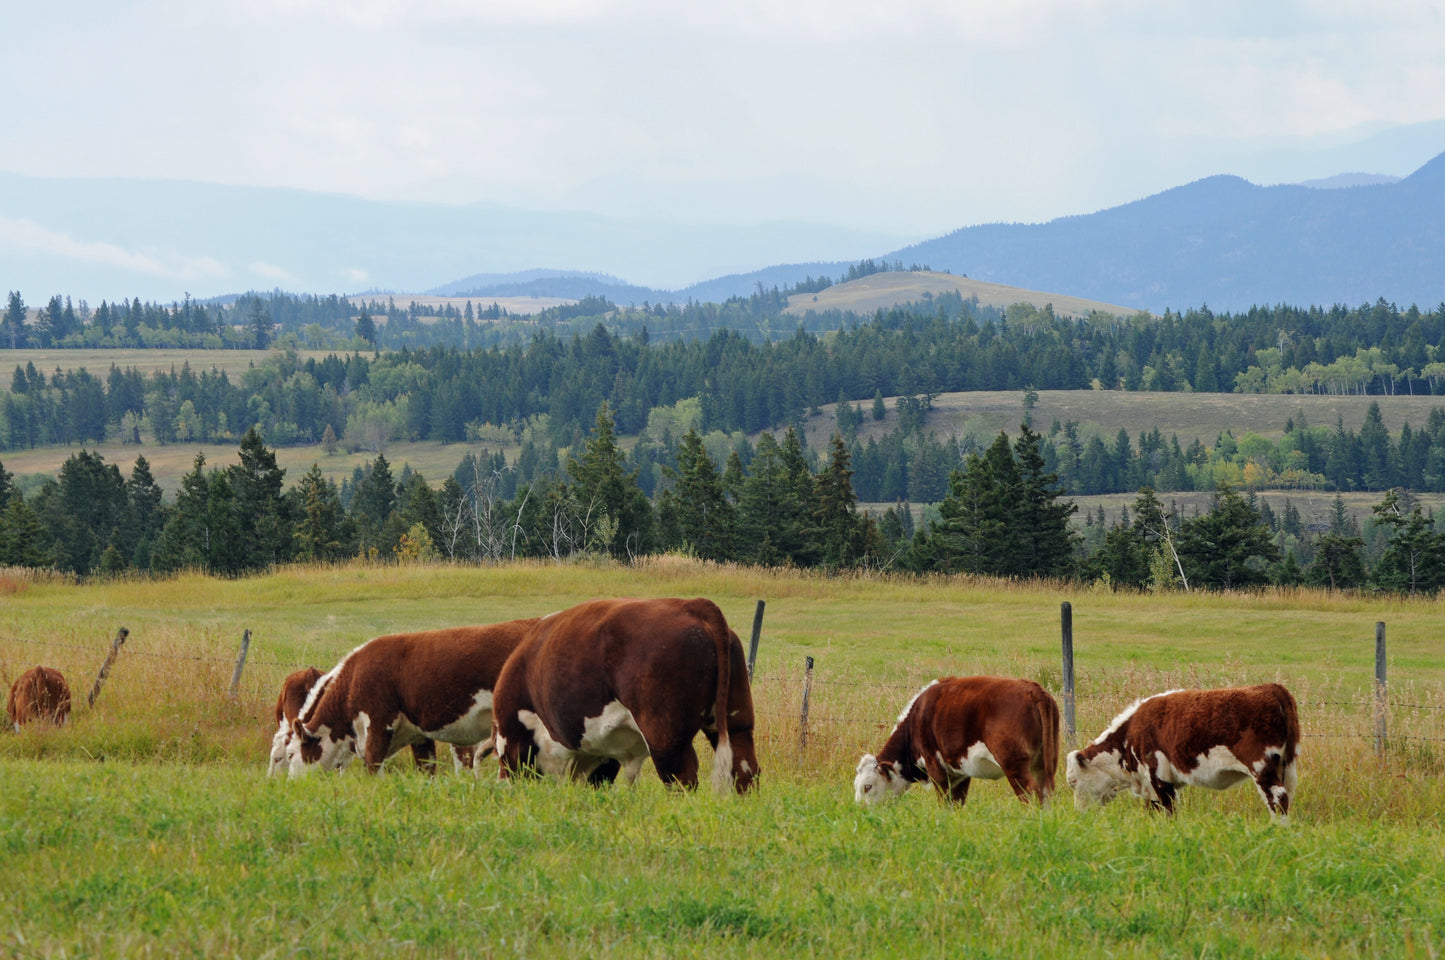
pixel 897 752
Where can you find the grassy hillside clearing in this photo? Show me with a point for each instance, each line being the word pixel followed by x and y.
pixel 879 291
pixel 97 362
pixel 1188 415
pixel 177 843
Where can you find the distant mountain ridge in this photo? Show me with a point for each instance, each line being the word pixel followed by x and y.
pixel 1226 242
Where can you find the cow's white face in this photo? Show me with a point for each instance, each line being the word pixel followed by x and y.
pixel 1098 779
pixel 876 782
pixel 280 741
pixel 307 751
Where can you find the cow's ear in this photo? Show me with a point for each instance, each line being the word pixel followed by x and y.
pixel 300 730
pixel 1082 760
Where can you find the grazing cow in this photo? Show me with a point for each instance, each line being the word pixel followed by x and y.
pixel 294 690
pixel 959 728
pixel 1205 738
pixel 404 690
pixel 39 695
pixel 598 688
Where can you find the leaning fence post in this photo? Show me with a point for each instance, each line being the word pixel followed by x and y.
pixel 1066 625
pixel 1380 696
pixel 807 691
pixel 105 667
pixel 240 663
pixel 757 635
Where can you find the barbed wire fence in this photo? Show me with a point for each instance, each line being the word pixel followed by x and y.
pixel 874 703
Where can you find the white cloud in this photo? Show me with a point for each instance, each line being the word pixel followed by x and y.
pixel 26 236
pixel 271 273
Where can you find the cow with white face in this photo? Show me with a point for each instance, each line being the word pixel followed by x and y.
pixel 403 690
pixel 294 690
pixel 599 688
pixel 1205 738
pixel 960 728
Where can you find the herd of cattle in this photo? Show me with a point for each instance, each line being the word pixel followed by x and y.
pixel 593 691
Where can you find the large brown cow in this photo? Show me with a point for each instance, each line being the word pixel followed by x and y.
pixel 1205 738
pixel 39 695
pixel 401 690
pixel 959 728
pixel 600 687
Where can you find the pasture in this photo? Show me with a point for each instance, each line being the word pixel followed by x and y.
pixel 147 826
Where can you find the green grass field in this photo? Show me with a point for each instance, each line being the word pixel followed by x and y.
pixel 147 827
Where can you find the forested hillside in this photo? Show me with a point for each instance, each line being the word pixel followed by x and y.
pixel 697 400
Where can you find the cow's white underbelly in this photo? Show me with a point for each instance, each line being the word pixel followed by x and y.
pixel 977 762
pixel 611 735
pixel 470 728
pixel 1219 769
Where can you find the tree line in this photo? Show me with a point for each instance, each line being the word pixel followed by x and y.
pixel 1004 514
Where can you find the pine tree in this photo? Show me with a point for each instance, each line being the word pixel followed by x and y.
pixel 614 509
pixel 837 529
pixel 262 518
pixel 1414 558
pixel 1046 541
pixel 702 517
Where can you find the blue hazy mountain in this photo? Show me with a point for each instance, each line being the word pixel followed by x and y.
pixel 1225 242
pixel 156 239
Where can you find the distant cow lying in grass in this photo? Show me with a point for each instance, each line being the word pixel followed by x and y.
pixel 959 728
pixel 39 695
pixel 403 690
pixel 1204 738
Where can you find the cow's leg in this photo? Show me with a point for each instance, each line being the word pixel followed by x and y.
pixel 424 756
pixel 677 766
pixel 1164 792
pixel 958 790
pixel 1024 783
pixel 604 773
pixel 377 747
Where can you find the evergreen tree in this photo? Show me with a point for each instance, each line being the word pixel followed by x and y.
pixel 262 517
pixel 185 540
pixel 615 511
pixel 1229 547
pixel 696 507
pixel 1414 557
pixel 366 327
pixel 1046 541
pixel 145 515
pixel 321 528
pixel 24 541
pixel 13 329
pixel 841 535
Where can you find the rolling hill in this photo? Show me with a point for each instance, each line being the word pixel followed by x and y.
pixel 882 290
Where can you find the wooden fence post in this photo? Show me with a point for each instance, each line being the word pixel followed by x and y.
pixel 240 663
pixel 757 635
pixel 1381 700
pixel 1066 624
pixel 105 667
pixel 807 692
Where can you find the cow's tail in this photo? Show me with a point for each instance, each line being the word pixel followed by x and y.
pixel 717 627
pixel 1048 711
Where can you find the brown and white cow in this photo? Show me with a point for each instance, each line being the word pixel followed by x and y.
pixel 598 688
pixel 39 695
pixel 960 728
pixel 404 690
pixel 294 690
pixel 1204 738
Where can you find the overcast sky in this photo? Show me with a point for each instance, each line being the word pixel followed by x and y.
pixel 909 117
